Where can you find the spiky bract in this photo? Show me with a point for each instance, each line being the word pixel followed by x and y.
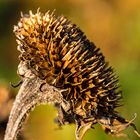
pixel 59 52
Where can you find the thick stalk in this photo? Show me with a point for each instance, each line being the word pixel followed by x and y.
pixel 33 91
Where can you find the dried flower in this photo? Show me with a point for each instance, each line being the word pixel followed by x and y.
pixel 58 52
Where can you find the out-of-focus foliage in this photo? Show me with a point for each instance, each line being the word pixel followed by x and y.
pixel 6 101
pixel 113 25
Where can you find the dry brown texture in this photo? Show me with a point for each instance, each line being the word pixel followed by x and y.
pixel 58 52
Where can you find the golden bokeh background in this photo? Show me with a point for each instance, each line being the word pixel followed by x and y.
pixel 113 25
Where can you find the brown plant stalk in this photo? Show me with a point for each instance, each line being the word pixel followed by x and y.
pixel 33 91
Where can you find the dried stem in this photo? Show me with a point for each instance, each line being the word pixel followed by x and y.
pixel 33 91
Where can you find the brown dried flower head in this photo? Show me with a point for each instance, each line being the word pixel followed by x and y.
pixel 59 52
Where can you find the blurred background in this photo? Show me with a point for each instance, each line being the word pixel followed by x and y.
pixel 113 25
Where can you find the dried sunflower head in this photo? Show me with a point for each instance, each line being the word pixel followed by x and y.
pixel 58 52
